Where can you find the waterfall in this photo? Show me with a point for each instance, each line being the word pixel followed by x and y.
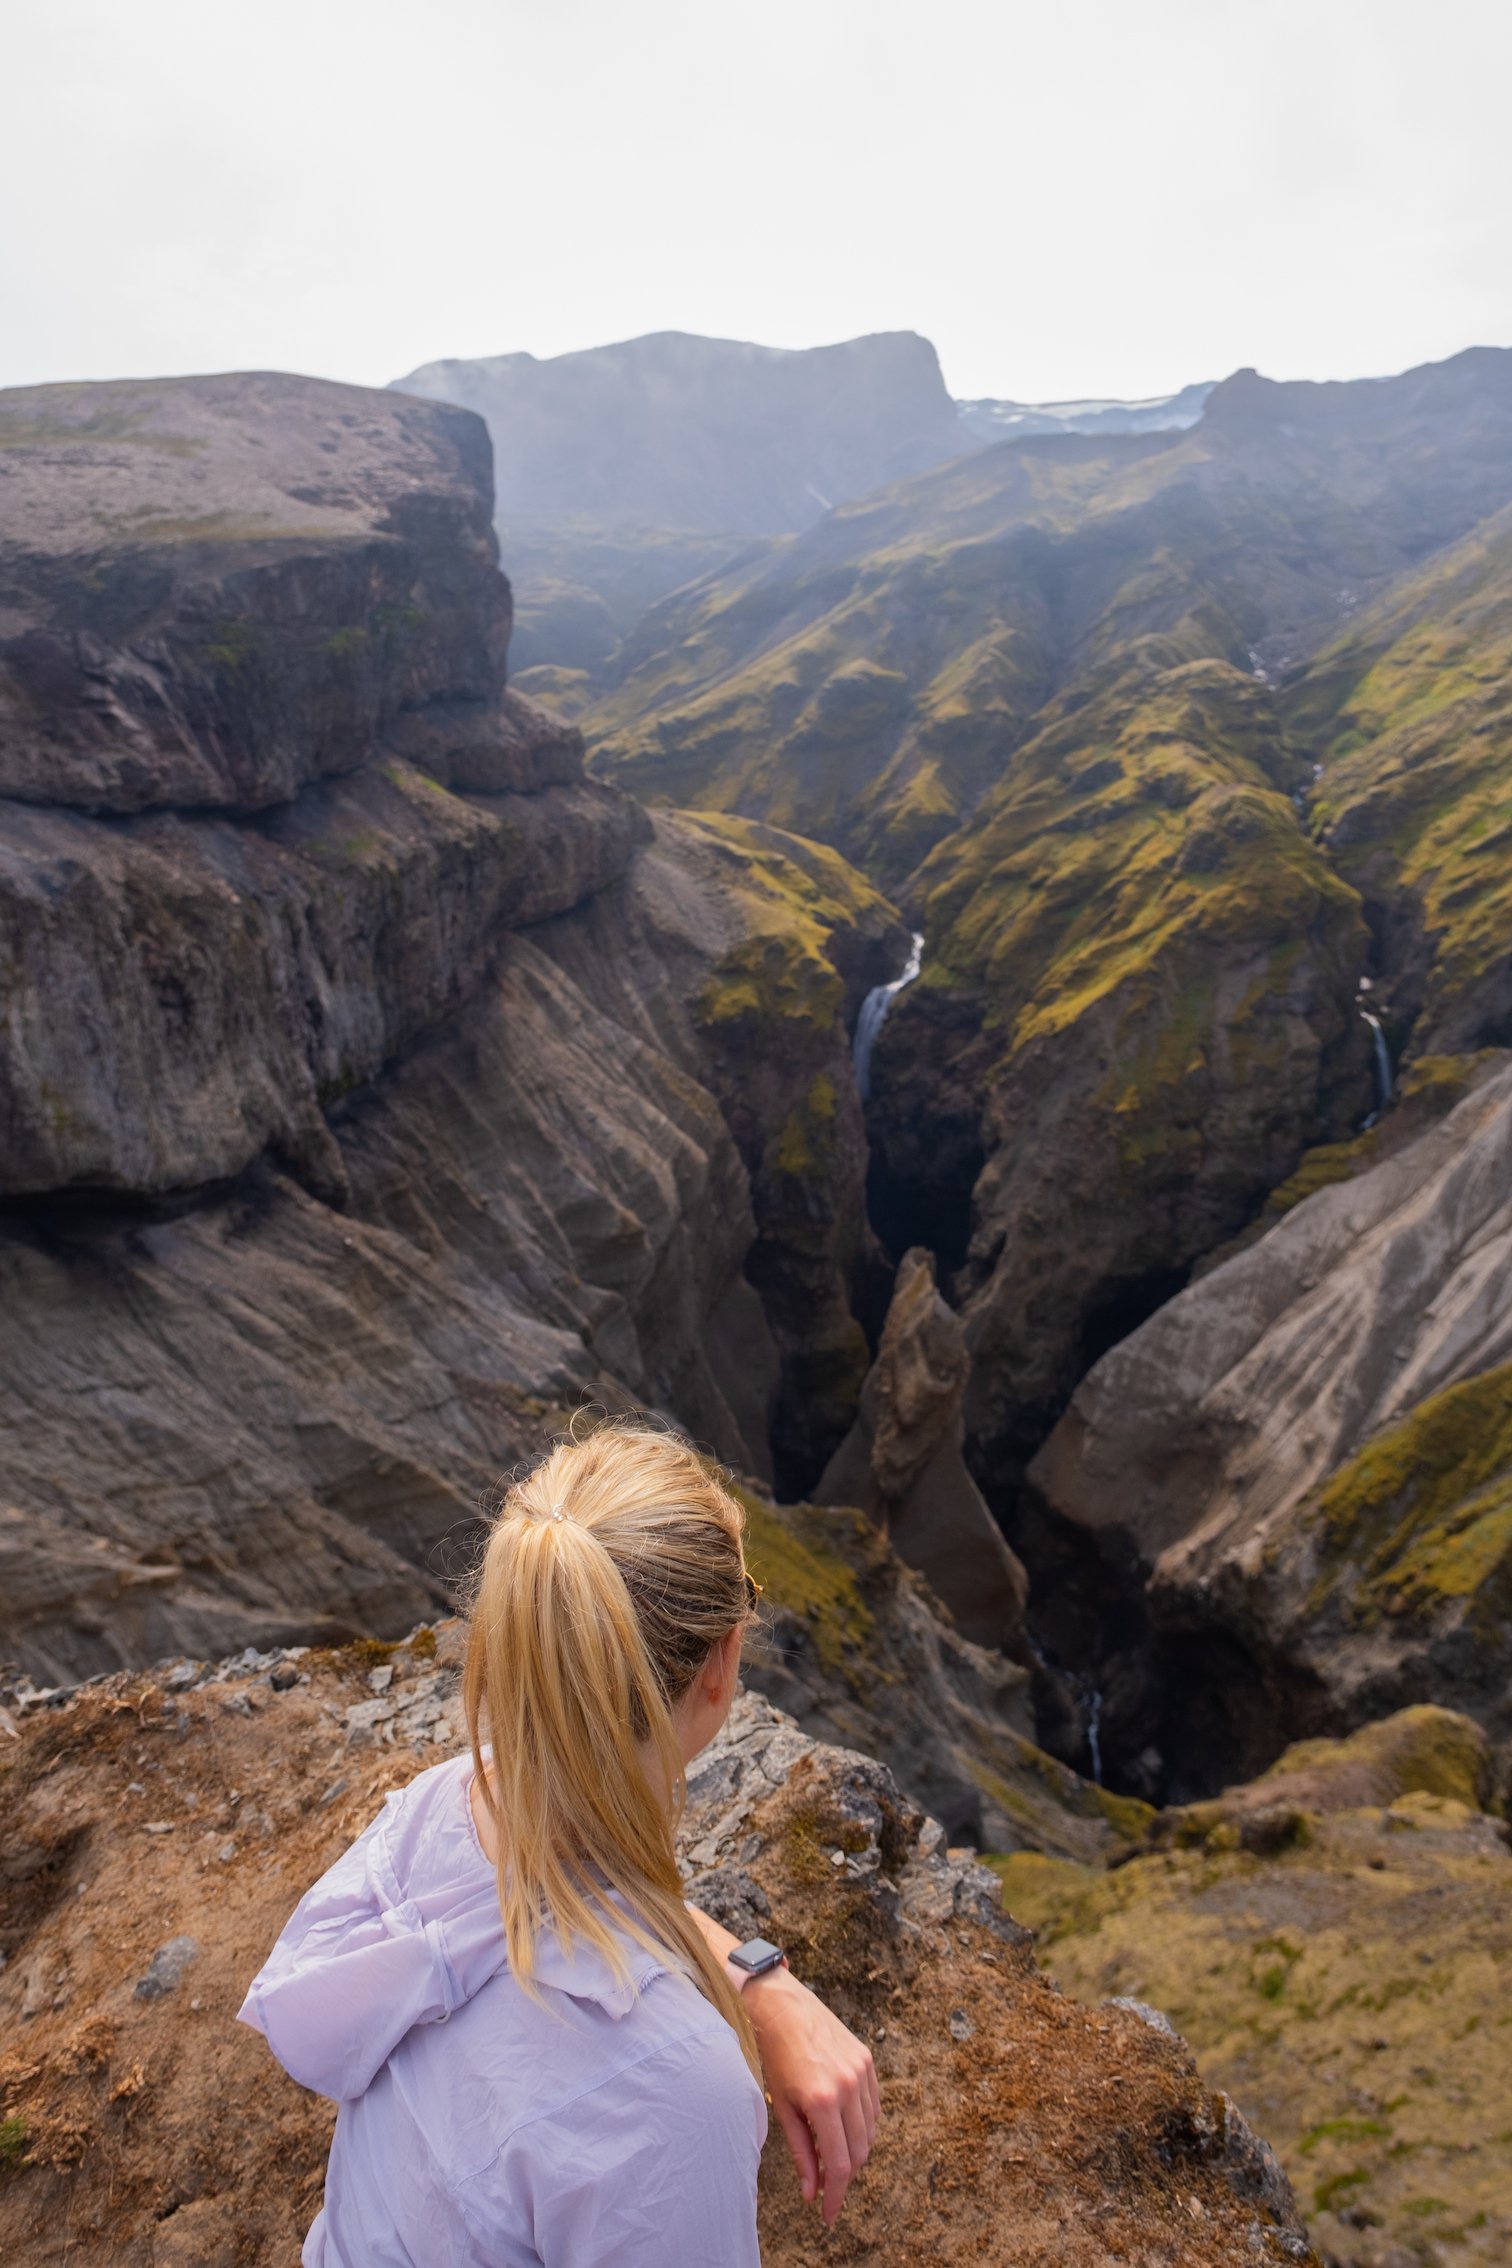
pixel 1094 1729
pixel 874 1014
pixel 1382 1066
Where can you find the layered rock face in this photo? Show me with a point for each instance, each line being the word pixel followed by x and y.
pixel 902 1462
pixel 1304 1458
pixel 255 637
pixel 361 1111
pixel 145 2129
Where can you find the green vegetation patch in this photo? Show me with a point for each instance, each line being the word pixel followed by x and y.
pixel 793 1554
pixel 792 898
pixel 1421 1516
pixel 1322 1168
pixel 1426 1750
pixel 1410 715
pixel 1327 1989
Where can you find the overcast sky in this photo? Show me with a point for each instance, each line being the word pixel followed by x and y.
pixel 1070 197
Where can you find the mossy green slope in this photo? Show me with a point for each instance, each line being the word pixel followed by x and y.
pixel 1353 1992
pixel 1409 716
pixel 1416 1528
pixel 865 682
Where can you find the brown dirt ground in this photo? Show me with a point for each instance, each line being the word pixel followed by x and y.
pixel 160 2134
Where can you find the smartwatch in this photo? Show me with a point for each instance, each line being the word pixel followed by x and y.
pixel 754 1959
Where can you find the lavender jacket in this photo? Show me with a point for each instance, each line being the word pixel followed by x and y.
pixel 479 2128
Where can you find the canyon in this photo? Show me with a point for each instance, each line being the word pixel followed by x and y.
pixel 993 1013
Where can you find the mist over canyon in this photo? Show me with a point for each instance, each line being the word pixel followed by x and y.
pixel 400 1052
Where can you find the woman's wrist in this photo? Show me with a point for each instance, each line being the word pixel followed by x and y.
pixel 766 1996
pixel 744 1980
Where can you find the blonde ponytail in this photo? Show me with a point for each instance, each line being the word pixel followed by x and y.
pixel 608 1576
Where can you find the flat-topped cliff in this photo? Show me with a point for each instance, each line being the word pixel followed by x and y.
pixel 373 1086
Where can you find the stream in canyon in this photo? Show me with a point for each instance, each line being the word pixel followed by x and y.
pixel 874 1014
pixel 1383 1074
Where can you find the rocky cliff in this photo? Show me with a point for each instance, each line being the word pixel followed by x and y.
pixel 628 470
pixel 1300 1466
pixel 902 1463
pixel 140 2127
pixel 365 1071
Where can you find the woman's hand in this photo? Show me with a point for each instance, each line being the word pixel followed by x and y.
pixel 820 2077
pixel 822 2082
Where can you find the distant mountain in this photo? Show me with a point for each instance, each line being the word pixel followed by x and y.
pixel 989 421
pixel 712 435
pixel 625 471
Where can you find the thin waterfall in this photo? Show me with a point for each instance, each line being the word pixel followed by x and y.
pixel 1094 1740
pixel 1382 1066
pixel 874 1015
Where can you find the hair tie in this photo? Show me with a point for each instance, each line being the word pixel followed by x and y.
pixel 556 1512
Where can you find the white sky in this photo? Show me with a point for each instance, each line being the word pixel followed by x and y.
pixel 1070 197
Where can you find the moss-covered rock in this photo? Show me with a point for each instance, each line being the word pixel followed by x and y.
pixel 1423 1751
pixel 1419 1520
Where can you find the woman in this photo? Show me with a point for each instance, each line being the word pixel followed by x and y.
pixel 541 2054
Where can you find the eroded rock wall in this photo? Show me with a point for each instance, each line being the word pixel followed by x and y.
pixel 1304 1457
pixel 359 1113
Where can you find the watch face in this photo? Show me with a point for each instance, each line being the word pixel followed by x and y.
pixel 756 1953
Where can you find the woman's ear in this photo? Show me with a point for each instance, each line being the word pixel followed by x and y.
pixel 722 1670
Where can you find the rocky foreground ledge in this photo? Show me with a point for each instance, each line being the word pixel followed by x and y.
pixel 156 1829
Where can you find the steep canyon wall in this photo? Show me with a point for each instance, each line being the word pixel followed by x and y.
pixel 365 1070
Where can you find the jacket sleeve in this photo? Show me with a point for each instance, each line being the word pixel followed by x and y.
pixel 358 1965
pixel 657 2164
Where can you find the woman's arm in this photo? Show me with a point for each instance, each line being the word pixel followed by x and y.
pixel 820 2077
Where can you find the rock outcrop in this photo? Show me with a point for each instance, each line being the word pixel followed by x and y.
pixel 1305 1456
pixel 254 636
pixel 366 1089
pixel 902 1463
pixel 142 2128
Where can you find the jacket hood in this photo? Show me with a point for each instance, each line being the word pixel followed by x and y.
pixel 403 1930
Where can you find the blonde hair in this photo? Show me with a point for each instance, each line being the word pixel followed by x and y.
pixel 608 1576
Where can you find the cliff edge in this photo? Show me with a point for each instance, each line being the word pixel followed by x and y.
pixel 141 2128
